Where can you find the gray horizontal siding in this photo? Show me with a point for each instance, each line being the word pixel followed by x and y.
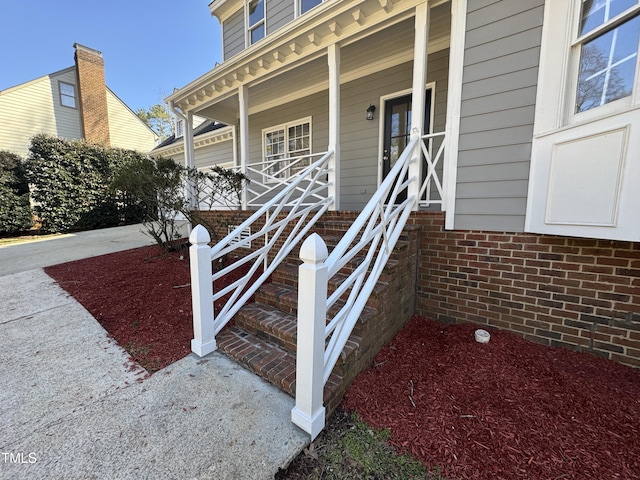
pixel 502 50
pixel 233 34
pixel 359 137
pixel 279 13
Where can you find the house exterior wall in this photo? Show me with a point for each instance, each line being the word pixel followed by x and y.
pixel 278 14
pixel 217 154
pixel 34 108
pixel 360 138
pixel 502 52
pixel 125 128
pixel 233 35
pixel 582 294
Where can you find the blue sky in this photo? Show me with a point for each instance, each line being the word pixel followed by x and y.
pixel 149 46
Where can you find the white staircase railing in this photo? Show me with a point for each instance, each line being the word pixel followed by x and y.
pixel 373 235
pixel 377 228
pixel 304 199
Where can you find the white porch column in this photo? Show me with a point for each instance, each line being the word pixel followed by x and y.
pixel 418 94
pixel 189 156
pixel 333 57
pixel 243 99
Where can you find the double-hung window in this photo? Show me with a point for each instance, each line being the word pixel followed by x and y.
pixel 67 94
pixel 607 39
pixel 255 21
pixel 286 149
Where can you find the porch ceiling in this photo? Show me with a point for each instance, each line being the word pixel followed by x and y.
pixel 373 34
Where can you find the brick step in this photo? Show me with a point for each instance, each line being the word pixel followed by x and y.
pixel 287 274
pixel 270 362
pixel 285 297
pixel 275 326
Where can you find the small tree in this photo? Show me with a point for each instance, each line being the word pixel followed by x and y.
pixel 158 118
pixel 15 210
pixel 159 185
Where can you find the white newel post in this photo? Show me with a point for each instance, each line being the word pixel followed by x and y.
pixel 309 412
pixel 204 340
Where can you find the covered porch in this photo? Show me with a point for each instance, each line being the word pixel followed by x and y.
pixel 351 82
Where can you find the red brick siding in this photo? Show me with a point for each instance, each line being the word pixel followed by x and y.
pixel 583 294
pixel 560 291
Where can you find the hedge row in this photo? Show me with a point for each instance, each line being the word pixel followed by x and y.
pixel 15 210
pixel 70 184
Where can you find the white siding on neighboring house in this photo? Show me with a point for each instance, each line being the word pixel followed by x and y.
pixel 33 108
pixel 502 51
pixel 126 129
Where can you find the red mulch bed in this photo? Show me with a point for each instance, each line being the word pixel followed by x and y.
pixel 142 298
pixel 503 410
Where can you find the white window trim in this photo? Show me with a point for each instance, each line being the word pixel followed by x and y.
pixel 556 125
pixel 285 127
pixel 249 28
pixel 75 94
pixel 558 71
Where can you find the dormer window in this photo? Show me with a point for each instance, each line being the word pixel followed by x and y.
pixel 67 95
pixel 255 21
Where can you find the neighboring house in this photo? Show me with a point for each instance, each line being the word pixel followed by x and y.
pixel 539 105
pixel 73 103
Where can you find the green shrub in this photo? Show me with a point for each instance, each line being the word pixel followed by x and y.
pixel 15 210
pixel 71 184
pixel 158 185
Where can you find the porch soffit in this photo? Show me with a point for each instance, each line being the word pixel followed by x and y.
pixel 301 41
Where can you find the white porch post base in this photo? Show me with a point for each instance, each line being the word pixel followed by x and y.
pixel 312 425
pixel 202 349
pixel 204 340
pixel 309 411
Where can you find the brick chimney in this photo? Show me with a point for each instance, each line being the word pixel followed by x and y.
pixel 92 92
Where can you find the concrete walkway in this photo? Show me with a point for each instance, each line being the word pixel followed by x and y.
pixel 73 406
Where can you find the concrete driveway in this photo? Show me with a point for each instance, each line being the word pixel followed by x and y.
pixel 73 406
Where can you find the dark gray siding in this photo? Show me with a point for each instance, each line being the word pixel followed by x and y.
pixel 233 34
pixel 279 13
pixel 502 51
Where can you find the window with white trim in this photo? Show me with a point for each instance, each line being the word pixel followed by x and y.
pixel 283 144
pixel 67 94
pixel 608 37
pixel 179 128
pixel 255 21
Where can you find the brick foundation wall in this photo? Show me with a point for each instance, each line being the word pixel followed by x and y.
pixel 579 293
pixel 92 92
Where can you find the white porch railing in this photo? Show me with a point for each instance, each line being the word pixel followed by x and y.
pixel 373 236
pixel 431 191
pixel 269 177
pixel 304 199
